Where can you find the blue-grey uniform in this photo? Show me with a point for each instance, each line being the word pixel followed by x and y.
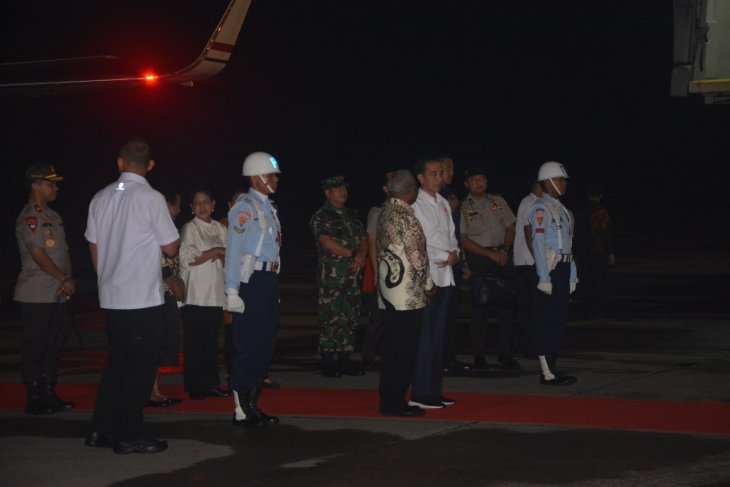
pixel 252 267
pixel 551 247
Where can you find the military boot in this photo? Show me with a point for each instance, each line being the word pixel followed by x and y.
pixel 252 405
pixel 37 400
pixel 242 414
pixel 329 366
pixel 347 366
pixel 56 403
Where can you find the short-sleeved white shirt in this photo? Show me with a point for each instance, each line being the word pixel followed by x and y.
pixel 522 255
pixel 129 222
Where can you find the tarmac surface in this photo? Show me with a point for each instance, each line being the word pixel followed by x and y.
pixel 663 343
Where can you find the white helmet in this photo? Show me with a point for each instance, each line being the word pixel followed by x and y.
pixel 259 163
pixel 551 169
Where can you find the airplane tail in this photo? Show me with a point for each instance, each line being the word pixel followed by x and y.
pixel 218 50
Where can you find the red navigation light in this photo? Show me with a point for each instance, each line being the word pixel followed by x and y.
pixel 150 77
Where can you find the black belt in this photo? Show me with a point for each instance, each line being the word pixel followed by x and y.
pixel 267 266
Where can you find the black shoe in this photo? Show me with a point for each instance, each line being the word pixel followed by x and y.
pixel 271 384
pixel 347 366
pixel 329 366
pixel 426 403
pixel 38 407
pixel 144 445
pixel 406 411
pixel 217 392
pixel 97 440
pixel 507 361
pixel 456 366
pixel 368 364
pixel 558 380
pixel 446 401
pixel 151 403
pixel 253 415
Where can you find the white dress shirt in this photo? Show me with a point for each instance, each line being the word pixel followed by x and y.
pixel 204 282
pixel 522 255
pixel 434 213
pixel 129 222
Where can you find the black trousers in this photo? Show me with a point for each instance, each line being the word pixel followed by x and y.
pixel 451 317
pixel 374 330
pixel 551 312
pixel 134 351
pixel 525 341
pixel 43 335
pixel 201 327
pixel 478 328
pixel 401 333
pixel 591 289
pixel 170 339
pixel 428 377
pixel 254 330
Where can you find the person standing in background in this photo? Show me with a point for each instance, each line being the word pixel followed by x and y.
pixel 44 285
pixel 202 251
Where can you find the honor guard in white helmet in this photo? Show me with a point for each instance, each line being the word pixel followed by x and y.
pixel 556 273
pixel 252 287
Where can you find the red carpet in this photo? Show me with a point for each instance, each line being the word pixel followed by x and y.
pixel 626 414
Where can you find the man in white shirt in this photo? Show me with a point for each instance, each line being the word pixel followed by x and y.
pixel 525 267
pixel 128 228
pixel 434 214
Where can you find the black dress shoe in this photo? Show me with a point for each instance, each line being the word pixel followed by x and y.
pixel 97 440
pixel 405 411
pixel 558 380
pixel 507 361
pixel 271 384
pixel 151 403
pixel 368 364
pixel 453 366
pixel 217 392
pixel 144 445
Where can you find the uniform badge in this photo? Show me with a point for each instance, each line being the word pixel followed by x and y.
pixel 238 229
pixel 539 216
pixel 50 243
pixel 243 216
pixel 32 223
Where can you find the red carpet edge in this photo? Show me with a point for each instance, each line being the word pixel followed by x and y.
pixel 701 417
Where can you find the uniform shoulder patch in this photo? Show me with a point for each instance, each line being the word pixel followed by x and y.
pixel 539 216
pixel 32 222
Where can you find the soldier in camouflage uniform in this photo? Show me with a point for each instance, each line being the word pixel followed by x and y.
pixel 342 244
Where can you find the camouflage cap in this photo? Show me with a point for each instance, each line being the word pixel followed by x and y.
pixel 42 172
pixel 333 182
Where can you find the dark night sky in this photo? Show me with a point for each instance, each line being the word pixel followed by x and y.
pixel 356 88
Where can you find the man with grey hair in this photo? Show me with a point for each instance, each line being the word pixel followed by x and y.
pixel 404 288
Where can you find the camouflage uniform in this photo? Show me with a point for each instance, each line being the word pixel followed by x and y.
pixel 339 288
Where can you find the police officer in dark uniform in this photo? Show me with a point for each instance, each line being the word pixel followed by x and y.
pixel 44 285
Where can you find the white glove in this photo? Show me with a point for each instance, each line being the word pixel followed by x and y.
pixel 546 287
pixel 572 287
pixel 234 303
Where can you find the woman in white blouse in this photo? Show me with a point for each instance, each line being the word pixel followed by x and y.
pixel 202 250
